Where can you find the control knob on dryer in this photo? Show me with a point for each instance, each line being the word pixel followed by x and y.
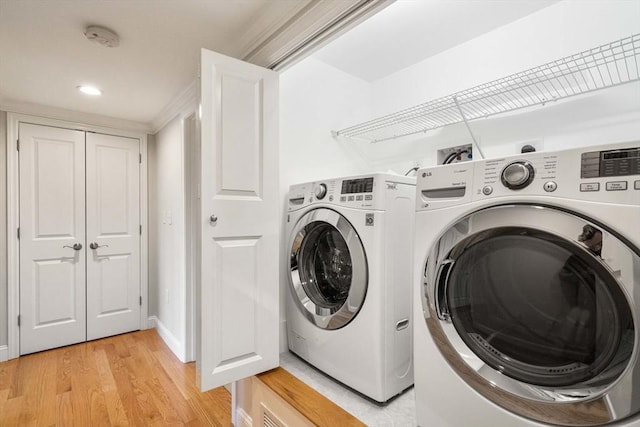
pixel 517 175
pixel 320 191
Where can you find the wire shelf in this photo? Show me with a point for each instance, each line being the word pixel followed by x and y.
pixel 604 66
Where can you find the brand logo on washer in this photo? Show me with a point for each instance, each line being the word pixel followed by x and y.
pixel 368 219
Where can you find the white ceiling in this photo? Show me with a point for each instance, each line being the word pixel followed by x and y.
pixel 409 31
pixel 44 54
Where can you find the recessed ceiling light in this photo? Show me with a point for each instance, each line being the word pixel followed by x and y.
pixel 89 90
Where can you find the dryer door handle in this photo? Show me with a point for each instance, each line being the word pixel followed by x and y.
pixel 440 289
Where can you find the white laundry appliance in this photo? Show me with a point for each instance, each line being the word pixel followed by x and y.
pixel 527 303
pixel 349 303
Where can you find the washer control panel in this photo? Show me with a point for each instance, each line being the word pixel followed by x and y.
pixel 320 191
pixel 607 173
pixel 517 175
pixel 610 163
pixel 358 192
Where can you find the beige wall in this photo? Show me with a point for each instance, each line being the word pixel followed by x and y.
pixel 3 228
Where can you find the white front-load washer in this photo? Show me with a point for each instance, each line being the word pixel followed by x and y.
pixel 349 303
pixel 527 290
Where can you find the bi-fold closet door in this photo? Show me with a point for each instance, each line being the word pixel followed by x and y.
pixel 79 236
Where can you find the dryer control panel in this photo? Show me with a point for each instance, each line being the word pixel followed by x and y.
pixel 607 173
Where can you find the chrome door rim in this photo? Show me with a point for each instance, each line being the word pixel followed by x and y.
pixel 321 316
pixel 572 406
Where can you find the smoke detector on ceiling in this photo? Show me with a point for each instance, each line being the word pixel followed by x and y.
pixel 102 36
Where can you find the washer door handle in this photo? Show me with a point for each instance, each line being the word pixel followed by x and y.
pixel 440 289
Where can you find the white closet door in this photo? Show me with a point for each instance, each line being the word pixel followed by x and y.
pixel 238 287
pixel 52 221
pixel 113 225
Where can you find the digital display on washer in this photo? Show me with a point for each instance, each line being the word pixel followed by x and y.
pixel 360 185
pixel 598 164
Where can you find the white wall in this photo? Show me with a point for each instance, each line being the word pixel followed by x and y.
pixel 316 98
pixel 551 33
pixel 152 291
pixel 3 230
pixel 167 232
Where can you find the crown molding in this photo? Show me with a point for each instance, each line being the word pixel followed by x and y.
pixel 185 102
pixel 311 27
pixel 271 20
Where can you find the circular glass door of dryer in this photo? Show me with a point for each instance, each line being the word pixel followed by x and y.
pixel 540 307
pixel 328 269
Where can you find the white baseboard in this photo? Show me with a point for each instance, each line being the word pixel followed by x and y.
pixel 169 339
pixel 152 322
pixel 4 353
pixel 243 419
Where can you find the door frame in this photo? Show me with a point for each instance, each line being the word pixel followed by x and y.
pixel 191 178
pixel 13 218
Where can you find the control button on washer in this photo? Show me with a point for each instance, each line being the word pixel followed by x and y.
pixel 550 186
pixel 590 186
pixel 350 198
pixel 343 198
pixel 370 196
pixel 359 197
pixel 368 219
pixel 636 184
pixel 487 189
pixel 331 198
pixel 616 185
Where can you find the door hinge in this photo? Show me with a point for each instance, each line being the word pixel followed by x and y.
pixel 140 157
pixel 140 300
pixel 18 144
pixel 18 233
pixel 18 320
pixel 141 229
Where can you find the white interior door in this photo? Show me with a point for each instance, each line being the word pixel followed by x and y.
pixel 113 235
pixel 238 285
pixel 52 221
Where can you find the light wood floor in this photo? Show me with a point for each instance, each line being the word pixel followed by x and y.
pixel 132 379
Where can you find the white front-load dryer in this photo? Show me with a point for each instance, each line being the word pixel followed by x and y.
pixel 527 280
pixel 349 303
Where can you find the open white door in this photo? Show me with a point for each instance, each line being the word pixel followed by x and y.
pixel 238 284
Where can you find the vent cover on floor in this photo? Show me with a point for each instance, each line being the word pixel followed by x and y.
pixel 269 419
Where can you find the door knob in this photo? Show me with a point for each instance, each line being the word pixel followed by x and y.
pixel 94 245
pixel 75 247
pixel 213 219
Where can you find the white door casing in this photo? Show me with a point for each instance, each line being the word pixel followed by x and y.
pixel 238 300
pixel 52 221
pixel 113 224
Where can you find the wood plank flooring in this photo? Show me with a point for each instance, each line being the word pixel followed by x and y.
pixel 126 380
pixel 310 403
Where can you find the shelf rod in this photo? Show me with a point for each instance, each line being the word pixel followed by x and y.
pixel 464 119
